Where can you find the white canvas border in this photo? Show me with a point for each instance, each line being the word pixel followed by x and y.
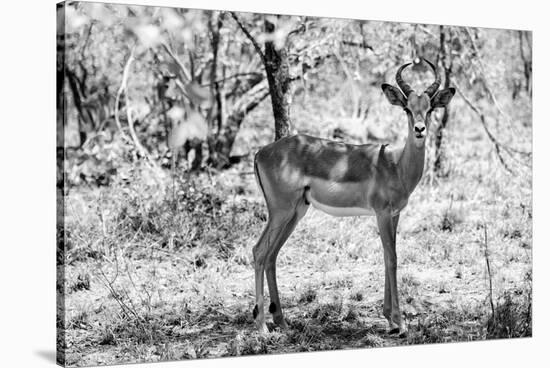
pixel 28 181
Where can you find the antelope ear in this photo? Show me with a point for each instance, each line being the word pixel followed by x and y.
pixel 443 97
pixel 394 95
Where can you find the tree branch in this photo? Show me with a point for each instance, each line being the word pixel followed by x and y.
pixel 121 89
pixel 252 98
pixel 481 116
pixel 249 36
pixel 182 67
pixel 355 94
pixel 298 30
pixel 362 45
pixel 234 76
pixel 124 88
pixel 477 55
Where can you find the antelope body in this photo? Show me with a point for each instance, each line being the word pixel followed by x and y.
pixel 343 180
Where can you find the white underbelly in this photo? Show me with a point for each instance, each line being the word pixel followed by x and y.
pixel 339 211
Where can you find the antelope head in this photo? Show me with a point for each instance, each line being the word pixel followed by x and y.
pixel 418 107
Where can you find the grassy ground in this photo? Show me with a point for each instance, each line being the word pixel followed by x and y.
pixel 146 281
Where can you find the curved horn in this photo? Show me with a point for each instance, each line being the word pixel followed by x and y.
pixel 431 90
pixel 401 83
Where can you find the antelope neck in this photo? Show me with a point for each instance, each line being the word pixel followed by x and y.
pixel 410 164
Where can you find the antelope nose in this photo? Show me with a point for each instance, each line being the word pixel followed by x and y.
pixel 419 128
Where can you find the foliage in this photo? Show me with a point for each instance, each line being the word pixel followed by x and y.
pixel 196 76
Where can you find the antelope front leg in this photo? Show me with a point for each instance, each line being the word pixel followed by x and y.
pixel 387 227
pixel 258 311
pixel 270 269
pixel 387 298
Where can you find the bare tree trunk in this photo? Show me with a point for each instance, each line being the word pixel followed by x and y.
pixel 226 138
pixel 215 115
pixel 85 117
pixel 278 77
pixel 527 64
pixel 447 65
pixel 61 342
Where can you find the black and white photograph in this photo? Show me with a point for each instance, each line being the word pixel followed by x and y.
pixel 238 183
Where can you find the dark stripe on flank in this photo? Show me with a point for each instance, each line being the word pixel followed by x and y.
pixel 318 157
